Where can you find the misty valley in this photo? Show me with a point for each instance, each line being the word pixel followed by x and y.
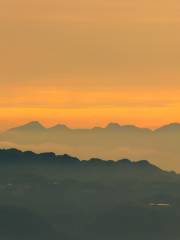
pixel 48 196
pixel 160 146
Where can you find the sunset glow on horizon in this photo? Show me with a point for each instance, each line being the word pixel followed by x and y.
pixel 87 63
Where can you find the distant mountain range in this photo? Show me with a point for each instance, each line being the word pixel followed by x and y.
pixel 114 141
pixel 37 126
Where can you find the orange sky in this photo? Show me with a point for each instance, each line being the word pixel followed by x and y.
pixel 87 62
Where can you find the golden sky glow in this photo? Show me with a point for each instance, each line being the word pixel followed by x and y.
pixel 88 62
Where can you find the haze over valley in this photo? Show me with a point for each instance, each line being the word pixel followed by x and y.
pixel 160 146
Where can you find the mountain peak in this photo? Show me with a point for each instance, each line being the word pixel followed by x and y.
pixel 59 127
pixel 169 127
pixel 34 125
pixel 113 125
pixel 144 164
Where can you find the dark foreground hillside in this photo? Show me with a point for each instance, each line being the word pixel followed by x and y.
pixel 44 196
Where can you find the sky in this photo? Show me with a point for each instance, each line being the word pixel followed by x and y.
pixel 89 62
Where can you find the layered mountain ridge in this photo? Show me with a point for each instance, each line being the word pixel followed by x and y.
pixel 161 146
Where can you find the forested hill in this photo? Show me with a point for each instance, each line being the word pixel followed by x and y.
pixel 60 197
pixel 14 156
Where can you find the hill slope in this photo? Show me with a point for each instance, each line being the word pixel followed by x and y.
pixel 61 197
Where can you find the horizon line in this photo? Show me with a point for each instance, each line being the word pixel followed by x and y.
pixel 88 128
